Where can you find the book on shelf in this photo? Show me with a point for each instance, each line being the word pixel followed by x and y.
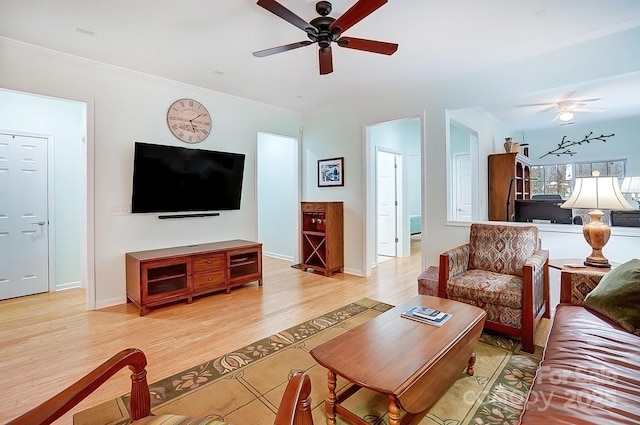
pixel 427 315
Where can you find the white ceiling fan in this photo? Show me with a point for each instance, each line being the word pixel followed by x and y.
pixel 566 107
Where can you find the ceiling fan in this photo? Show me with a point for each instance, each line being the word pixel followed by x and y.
pixel 325 30
pixel 565 107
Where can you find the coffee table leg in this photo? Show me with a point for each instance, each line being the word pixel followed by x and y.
pixel 472 362
pixel 330 402
pixel 394 411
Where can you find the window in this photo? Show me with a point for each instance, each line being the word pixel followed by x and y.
pixel 607 169
pixel 551 179
pixel 558 179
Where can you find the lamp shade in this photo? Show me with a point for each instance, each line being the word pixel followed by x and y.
pixel 630 185
pixel 597 192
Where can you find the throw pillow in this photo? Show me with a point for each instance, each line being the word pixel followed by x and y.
pixel 618 296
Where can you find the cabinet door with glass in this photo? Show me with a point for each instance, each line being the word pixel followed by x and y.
pixel 163 279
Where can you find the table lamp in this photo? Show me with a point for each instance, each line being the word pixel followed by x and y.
pixel 597 193
pixel 631 185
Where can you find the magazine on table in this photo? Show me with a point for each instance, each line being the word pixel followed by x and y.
pixel 427 315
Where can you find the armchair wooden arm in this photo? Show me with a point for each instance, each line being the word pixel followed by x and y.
pixel 140 404
pixel 295 407
pixel 535 296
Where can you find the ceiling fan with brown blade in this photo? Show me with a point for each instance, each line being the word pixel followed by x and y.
pixel 325 30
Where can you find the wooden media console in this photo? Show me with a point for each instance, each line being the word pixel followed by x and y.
pixel 160 276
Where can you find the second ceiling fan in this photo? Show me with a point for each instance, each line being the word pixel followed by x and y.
pixel 325 30
pixel 564 108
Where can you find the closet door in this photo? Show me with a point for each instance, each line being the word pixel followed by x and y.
pixel 24 241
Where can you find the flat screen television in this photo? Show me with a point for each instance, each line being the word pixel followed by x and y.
pixel 177 179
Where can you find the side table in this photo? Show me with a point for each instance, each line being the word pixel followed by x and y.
pixel 577 282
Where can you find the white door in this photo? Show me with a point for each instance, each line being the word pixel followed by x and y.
pixel 24 243
pixel 463 187
pixel 387 205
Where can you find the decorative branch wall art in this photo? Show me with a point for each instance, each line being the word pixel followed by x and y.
pixel 565 144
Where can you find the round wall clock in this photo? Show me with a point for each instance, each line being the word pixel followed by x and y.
pixel 189 120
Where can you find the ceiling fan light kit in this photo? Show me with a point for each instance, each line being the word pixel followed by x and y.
pixel 325 30
pixel 565 116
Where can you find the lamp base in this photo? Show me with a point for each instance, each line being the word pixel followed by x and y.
pixel 596 262
pixel 597 235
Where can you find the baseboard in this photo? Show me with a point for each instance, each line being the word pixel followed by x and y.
pixel 355 272
pixel 110 302
pixel 68 285
pixel 278 256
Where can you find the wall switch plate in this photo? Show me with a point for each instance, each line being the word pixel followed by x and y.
pixel 120 210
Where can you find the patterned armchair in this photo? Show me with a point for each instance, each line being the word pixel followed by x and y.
pixel 502 270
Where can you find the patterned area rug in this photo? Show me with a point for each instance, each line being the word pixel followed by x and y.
pixel 245 386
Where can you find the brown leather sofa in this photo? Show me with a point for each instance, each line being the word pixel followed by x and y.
pixel 590 371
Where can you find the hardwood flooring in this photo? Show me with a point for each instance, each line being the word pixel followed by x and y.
pixel 48 341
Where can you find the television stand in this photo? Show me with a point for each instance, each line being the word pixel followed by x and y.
pixel 161 276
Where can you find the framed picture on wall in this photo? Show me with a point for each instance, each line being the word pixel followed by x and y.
pixel 331 172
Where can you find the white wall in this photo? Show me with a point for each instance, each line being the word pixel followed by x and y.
pixel 65 122
pixel 125 107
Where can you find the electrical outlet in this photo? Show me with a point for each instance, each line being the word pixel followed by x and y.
pixel 120 210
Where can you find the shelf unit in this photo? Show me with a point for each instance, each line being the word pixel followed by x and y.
pixel 509 179
pixel 161 276
pixel 322 238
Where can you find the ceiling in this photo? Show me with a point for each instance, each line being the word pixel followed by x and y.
pixel 208 43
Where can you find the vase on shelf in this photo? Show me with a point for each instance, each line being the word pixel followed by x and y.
pixel 508 143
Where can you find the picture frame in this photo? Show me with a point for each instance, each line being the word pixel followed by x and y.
pixel 331 172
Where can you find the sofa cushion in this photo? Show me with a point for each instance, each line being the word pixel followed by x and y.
pixel 589 373
pixel 618 296
pixel 501 249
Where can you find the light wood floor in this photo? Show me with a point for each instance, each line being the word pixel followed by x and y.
pixel 48 341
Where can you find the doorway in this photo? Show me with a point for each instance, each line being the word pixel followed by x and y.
pixel 63 124
pixel 401 137
pixel 463 160
pixel 278 195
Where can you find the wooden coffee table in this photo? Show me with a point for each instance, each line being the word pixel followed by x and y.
pixel 412 363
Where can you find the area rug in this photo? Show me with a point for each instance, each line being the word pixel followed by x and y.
pixel 245 386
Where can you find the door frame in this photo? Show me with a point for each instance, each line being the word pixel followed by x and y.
pixel 368 241
pixel 297 225
pixel 51 242
pixel 450 163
